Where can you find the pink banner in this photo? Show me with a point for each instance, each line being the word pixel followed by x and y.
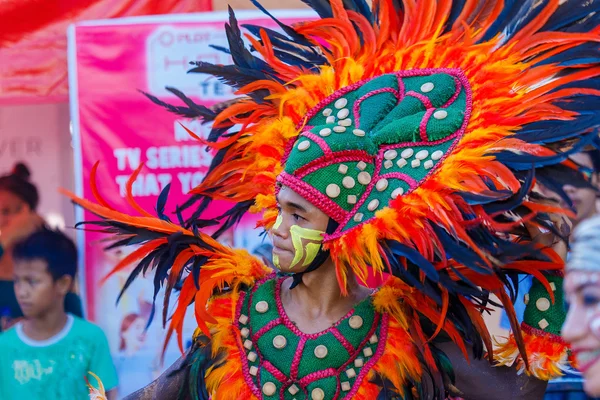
pixel 110 63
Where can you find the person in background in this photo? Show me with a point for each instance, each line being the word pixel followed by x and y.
pixel 133 334
pixel 583 198
pixel 19 199
pixel 48 354
pixel 582 293
pixel 132 364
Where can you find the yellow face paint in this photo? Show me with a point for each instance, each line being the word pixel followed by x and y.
pixel 306 242
pixel 278 221
pixel 276 225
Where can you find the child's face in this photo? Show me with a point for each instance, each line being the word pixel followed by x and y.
pixel 36 290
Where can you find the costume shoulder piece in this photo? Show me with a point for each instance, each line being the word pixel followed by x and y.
pixel 423 129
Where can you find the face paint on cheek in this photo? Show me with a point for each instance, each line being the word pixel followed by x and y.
pixel 278 222
pixel 595 325
pixel 276 225
pixel 307 243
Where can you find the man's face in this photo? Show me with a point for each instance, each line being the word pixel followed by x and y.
pixel 583 198
pixel 298 232
pixel 10 205
pixel 36 290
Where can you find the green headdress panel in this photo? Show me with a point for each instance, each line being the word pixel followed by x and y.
pixel 371 142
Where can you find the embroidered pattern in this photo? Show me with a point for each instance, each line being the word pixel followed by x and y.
pixel 281 362
pixel 388 133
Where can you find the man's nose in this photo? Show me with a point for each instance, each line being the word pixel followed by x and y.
pixel 574 329
pixel 280 229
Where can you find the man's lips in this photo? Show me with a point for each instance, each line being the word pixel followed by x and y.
pixel 278 249
pixel 586 358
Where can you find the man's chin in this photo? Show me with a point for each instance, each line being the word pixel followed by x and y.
pixel 591 383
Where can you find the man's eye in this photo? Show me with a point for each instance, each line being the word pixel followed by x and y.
pixel 590 300
pixel 297 217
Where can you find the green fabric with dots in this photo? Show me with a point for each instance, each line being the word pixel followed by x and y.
pixel 316 180
pixel 266 376
pixel 391 112
pixel 555 315
pixel 327 385
pixel 337 355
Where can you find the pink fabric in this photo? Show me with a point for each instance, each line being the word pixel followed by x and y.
pixel 37 29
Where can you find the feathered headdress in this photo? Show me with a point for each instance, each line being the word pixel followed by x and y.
pixel 420 127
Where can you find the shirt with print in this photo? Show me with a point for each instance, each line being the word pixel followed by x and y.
pixel 55 368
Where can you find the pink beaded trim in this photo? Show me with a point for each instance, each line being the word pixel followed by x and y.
pixel 455 95
pixel 423 124
pixel 422 98
pixel 347 345
pixel 315 376
pixel 238 312
pixel 538 332
pixel 242 350
pixel 266 328
pixel 383 334
pixel 290 325
pixel 322 144
pixel 310 193
pixel 399 175
pixel 356 108
pixel 297 358
pixel 280 376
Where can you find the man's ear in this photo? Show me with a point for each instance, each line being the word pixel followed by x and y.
pixel 64 284
pixel 596 181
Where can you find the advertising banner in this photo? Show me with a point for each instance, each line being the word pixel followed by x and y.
pixel 110 64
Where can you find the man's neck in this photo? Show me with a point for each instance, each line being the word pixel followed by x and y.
pixel 319 298
pixel 45 326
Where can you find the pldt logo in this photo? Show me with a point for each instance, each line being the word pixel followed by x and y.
pixel 169 51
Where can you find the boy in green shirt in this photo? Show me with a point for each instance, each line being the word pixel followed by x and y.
pixel 49 353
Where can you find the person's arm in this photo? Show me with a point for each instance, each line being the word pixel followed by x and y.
pixel 167 386
pixel 478 379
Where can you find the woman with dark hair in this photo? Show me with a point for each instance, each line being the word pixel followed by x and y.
pixel 19 199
